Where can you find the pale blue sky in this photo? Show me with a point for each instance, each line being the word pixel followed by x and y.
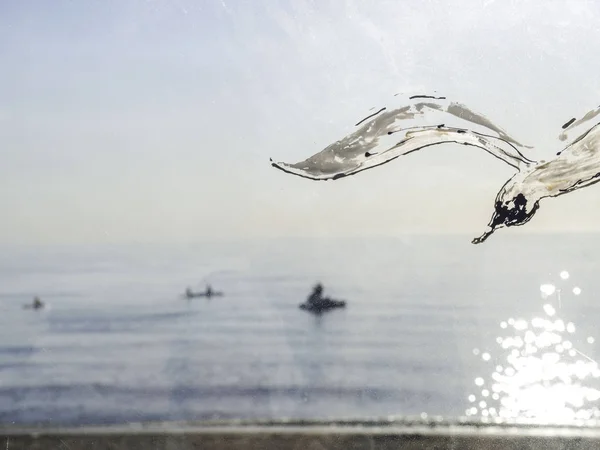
pixel 147 120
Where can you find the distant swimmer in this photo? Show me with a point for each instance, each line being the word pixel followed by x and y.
pixel 211 293
pixel 316 303
pixel 37 304
pixel 317 295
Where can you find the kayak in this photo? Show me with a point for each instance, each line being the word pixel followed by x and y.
pixel 203 294
pixel 33 306
pixel 323 305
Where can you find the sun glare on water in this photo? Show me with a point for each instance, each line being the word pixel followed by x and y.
pixel 538 373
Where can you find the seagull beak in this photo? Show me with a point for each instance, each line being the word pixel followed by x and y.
pixel 483 237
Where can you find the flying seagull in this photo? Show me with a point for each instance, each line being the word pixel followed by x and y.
pixel 424 120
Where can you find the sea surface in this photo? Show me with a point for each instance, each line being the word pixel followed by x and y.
pixel 434 325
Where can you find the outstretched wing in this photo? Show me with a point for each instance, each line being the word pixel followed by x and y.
pixel 390 133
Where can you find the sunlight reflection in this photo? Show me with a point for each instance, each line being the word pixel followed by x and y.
pixel 547 289
pixel 539 374
pixel 549 309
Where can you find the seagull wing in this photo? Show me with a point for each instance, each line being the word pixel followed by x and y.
pixel 392 132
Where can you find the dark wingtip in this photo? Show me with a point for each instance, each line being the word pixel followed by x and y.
pixel 283 169
pixel 277 166
pixel 568 124
pixel 426 96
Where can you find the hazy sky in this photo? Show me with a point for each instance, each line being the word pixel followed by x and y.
pixel 154 120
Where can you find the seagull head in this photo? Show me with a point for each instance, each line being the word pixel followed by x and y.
pixel 512 208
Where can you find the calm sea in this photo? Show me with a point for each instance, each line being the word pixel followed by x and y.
pixel 425 330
